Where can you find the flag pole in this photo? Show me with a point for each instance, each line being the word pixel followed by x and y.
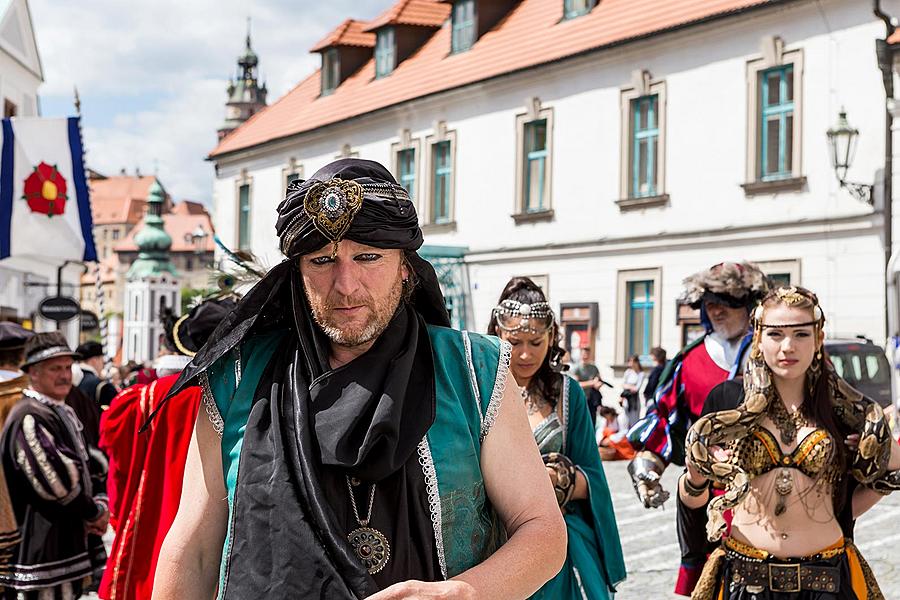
pixel 98 271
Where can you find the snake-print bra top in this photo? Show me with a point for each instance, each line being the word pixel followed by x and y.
pixel 759 453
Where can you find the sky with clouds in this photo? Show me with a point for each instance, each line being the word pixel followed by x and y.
pixel 152 74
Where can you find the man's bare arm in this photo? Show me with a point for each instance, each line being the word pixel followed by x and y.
pixel 189 559
pixel 519 488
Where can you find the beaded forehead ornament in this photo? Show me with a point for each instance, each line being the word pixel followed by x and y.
pixel 331 205
pixel 513 317
pixel 790 296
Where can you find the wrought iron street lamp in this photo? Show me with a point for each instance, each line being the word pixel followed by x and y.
pixel 198 237
pixel 843 139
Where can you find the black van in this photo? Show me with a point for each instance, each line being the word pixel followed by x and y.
pixel 863 365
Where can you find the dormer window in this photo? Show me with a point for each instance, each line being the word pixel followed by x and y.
pixel 464 23
pixel 385 52
pixel 331 71
pixel 576 8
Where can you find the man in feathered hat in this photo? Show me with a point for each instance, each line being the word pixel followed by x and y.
pixel 146 470
pixel 725 294
pixel 46 462
pixel 363 446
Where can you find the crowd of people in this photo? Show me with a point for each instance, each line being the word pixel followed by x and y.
pixel 328 435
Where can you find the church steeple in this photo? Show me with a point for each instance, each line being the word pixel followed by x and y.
pixel 152 240
pixel 246 96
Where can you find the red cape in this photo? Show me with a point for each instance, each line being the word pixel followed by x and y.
pixel 146 473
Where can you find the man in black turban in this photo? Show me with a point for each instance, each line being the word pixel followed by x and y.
pixel 356 446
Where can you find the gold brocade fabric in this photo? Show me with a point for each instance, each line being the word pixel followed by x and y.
pixel 759 453
pixel 10 393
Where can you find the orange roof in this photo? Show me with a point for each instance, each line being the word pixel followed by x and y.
pixel 189 207
pixel 424 13
pixel 533 33
pixel 119 199
pixel 348 33
pixel 179 224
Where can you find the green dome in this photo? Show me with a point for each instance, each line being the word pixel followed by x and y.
pixel 152 240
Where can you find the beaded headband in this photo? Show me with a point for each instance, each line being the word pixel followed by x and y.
pixel 513 316
pixel 791 297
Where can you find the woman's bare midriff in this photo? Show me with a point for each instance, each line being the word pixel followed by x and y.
pixel 807 525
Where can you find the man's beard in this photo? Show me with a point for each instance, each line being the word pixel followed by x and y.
pixel 350 336
pixel 731 333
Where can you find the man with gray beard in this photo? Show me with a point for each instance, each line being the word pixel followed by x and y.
pixel 725 294
pixel 352 444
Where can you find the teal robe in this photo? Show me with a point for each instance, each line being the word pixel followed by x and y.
pixel 470 376
pixel 594 563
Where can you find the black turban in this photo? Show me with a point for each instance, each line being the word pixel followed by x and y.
pixel 386 218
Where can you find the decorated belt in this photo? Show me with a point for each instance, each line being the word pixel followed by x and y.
pixel 759 570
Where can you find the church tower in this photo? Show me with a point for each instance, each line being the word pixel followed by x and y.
pixel 246 96
pixel 151 284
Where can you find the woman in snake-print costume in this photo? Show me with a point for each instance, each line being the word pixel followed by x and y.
pixel 786 456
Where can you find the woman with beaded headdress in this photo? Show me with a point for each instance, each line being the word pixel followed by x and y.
pixel 801 456
pixel 562 427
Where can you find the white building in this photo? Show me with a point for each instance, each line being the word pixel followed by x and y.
pixel 609 149
pixel 23 282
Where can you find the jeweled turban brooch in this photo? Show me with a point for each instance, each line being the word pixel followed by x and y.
pixel 513 316
pixel 331 206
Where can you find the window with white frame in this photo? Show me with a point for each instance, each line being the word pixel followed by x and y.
pixel 463 24
pixel 385 52
pixel 774 100
pixel 644 146
pixel 576 8
pixel 331 71
pixel 442 180
pixel 643 142
pixel 638 313
pixel 781 272
pixel 534 139
pixel 406 157
pixel 406 171
pixel 243 212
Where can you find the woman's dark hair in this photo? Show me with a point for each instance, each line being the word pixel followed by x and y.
pixel 658 354
pixel 546 383
pixel 634 358
pixel 818 405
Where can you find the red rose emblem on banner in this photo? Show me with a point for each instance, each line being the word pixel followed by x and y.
pixel 45 191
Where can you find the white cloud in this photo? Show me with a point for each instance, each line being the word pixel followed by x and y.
pixel 152 75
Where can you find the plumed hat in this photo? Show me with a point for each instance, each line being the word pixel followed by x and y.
pixel 732 284
pixel 187 334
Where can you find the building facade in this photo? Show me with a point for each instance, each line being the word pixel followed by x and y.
pixel 607 150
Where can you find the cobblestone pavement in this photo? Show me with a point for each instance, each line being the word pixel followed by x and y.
pixel 651 546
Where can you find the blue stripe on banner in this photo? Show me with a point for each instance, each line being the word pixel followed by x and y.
pixel 81 190
pixel 7 165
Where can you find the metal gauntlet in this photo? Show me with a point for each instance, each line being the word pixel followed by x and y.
pixel 645 469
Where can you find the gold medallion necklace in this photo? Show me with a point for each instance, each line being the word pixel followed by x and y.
pixel 370 545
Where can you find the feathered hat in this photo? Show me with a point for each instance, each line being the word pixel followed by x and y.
pixel 732 284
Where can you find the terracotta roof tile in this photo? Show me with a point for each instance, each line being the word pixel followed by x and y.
pixel 349 33
pixel 119 199
pixel 424 13
pixel 533 33
pixel 179 224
